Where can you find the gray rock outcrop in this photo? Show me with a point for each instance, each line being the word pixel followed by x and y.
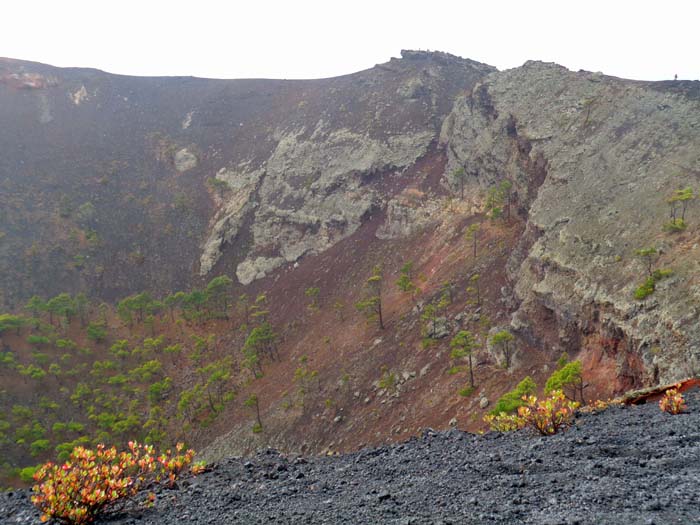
pixel 310 195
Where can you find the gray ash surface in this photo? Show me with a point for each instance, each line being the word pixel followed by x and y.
pixel 626 465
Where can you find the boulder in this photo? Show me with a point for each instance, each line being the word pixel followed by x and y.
pixel 184 160
pixel 439 329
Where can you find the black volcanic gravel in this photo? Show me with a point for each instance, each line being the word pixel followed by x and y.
pixel 627 465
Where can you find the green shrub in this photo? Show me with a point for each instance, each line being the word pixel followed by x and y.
pixel 22 411
pixel 38 339
pixel 27 473
pixel 117 380
pixel 31 371
pixel 59 427
pixel 7 359
pixel 647 288
pixel 11 322
pixel 662 274
pixel 41 358
pixel 466 391
pixel 675 226
pixel 120 349
pixel 159 390
pixel 510 401
pixel 427 342
pixel 66 344
pixel 75 427
pixel 39 446
pixel 97 331
pixel 388 380
pixel 63 450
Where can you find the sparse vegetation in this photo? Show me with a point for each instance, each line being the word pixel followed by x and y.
pixel 312 294
pixel 430 317
pixel 97 331
pixel 648 287
pixel 217 296
pixel 220 186
pixel 466 391
pixel 260 343
pixel 388 381
pixel 304 377
pixel 678 202
pixel 151 389
pixel 253 403
pixel 649 256
pixel 339 309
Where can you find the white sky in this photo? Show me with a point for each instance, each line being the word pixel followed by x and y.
pixel 640 39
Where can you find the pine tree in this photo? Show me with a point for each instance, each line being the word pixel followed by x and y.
pixel 463 345
pixel 503 340
pixel 371 306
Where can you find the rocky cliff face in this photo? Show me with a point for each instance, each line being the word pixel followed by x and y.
pixel 328 173
pixel 593 160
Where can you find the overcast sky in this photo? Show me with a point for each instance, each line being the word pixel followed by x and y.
pixel 637 39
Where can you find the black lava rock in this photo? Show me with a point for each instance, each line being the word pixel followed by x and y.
pixel 632 465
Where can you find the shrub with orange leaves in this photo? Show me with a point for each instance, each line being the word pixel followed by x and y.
pixel 548 416
pixel 673 401
pixel 599 405
pixel 94 482
pixel 504 422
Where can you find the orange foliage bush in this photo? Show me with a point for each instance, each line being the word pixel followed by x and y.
pixel 547 416
pixel 673 401
pixel 94 482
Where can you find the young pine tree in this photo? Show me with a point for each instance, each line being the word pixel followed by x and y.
pixel 371 306
pixel 463 345
pixel 503 340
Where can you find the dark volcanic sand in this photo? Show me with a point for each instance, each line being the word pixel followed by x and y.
pixel 629 465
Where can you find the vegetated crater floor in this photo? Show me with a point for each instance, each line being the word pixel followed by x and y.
pixel 626 465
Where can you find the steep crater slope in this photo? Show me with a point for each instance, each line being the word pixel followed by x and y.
pixel 118 184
